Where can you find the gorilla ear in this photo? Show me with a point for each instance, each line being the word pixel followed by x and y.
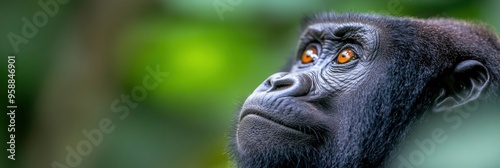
pixel 465 84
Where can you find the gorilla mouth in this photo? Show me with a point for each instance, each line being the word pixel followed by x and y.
pixel 257 131
pixel 253 114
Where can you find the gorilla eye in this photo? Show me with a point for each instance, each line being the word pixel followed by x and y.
pixel 345 56
pixel 309 55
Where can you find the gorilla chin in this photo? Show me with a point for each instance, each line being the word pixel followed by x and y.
pixel 263 142
pixel 258 132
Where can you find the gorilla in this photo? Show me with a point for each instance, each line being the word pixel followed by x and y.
pixel 358 84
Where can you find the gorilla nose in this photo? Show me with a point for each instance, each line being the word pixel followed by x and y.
pixel 287 84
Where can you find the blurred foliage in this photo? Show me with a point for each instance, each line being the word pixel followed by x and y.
pixel 213 65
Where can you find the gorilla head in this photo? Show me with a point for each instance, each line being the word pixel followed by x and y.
pixel 356 86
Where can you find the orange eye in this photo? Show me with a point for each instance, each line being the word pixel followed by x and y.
pixel 345 56
pixel 309 55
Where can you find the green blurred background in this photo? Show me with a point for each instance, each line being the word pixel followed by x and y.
pixel 93 52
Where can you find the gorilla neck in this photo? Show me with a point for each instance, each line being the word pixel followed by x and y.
pixel 325 157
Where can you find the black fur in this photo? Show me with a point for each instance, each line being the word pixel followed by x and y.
pixel 413 57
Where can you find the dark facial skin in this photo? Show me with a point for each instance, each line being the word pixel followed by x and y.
pixel 330 112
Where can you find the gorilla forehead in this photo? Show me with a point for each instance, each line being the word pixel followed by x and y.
pixel 330 17
pixel 438 31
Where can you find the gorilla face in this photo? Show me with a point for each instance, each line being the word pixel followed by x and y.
pixel 355 86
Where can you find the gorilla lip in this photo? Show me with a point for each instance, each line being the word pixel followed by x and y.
pixel 258 113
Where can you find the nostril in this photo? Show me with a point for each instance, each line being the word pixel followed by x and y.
pixel 291 85
pixel 281 84
pixel 286 84
pixel 269 83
